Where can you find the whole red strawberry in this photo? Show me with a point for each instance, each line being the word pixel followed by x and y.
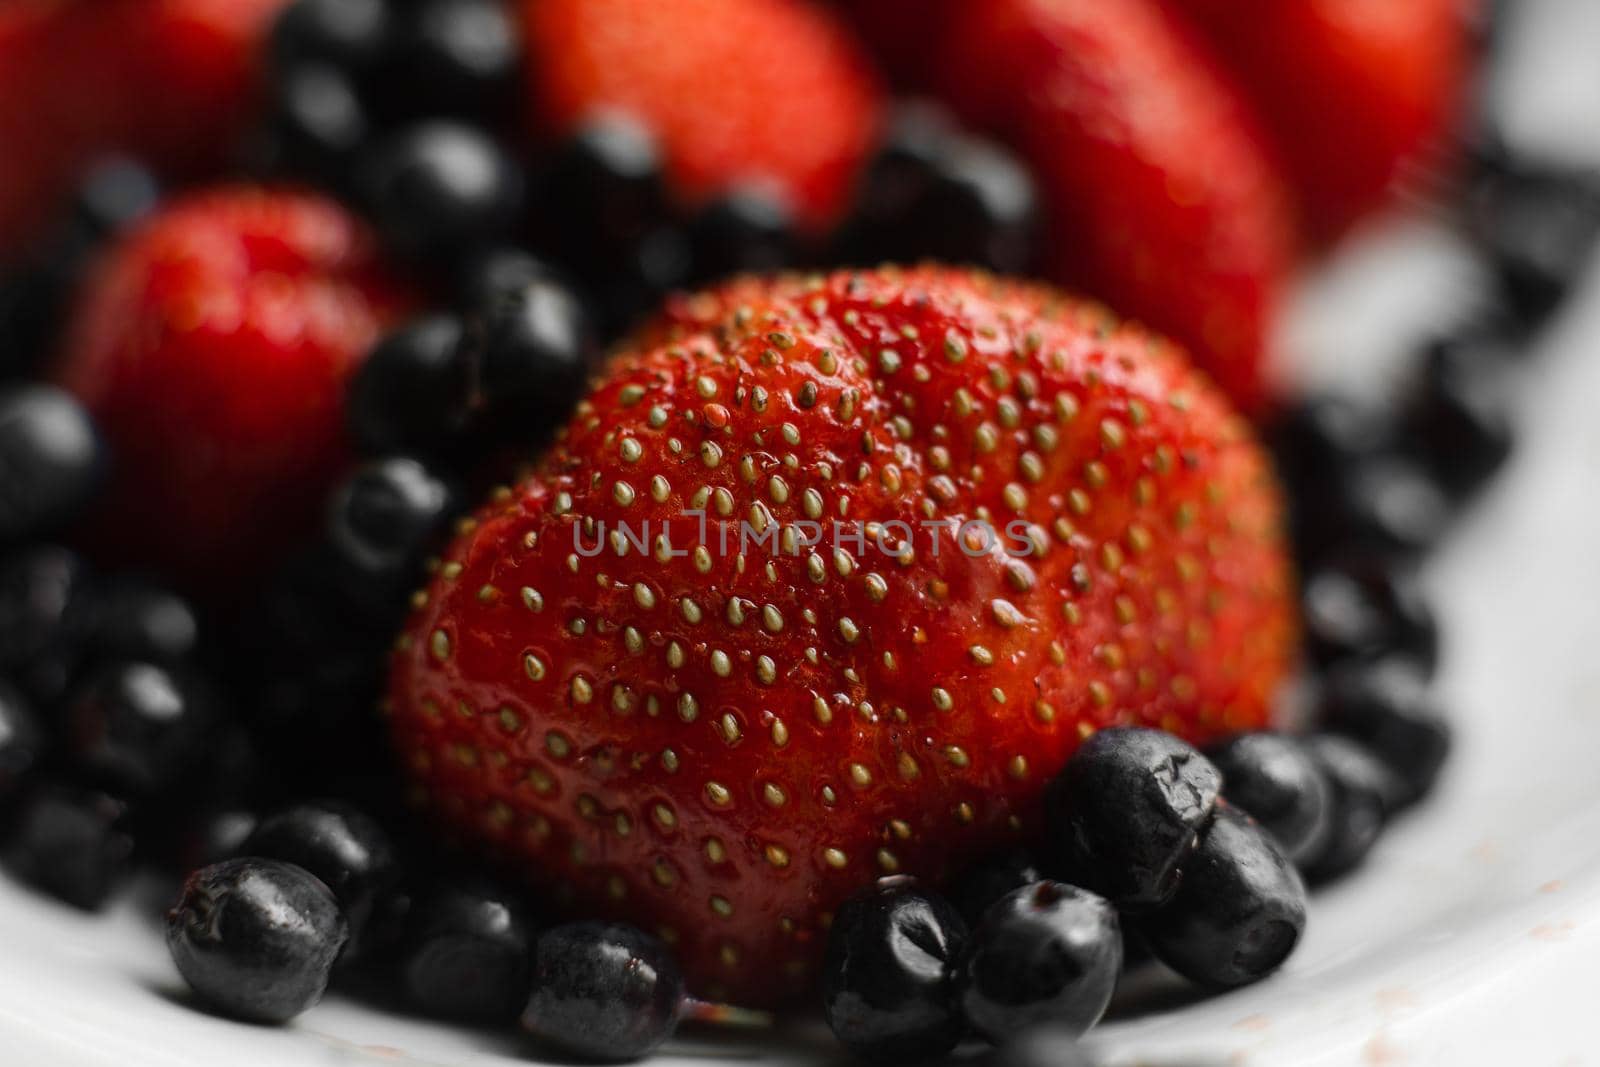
pixel 212 345
pixel 1162 199
pixel 1355 92
pixel 171 81
pixel 736 90
pixel 1047 523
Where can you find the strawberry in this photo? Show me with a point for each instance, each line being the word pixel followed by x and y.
pixel 736 90
pixel 1161 197
pixel 723 746
pixel 171 81
pixel 212 345
pixel 1356 94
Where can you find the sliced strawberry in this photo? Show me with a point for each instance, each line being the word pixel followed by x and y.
pixel 722 745
pixel 737 90
pixel 212 345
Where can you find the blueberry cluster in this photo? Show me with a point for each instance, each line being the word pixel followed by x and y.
pixel 1139 843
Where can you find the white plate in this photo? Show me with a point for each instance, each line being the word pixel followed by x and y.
pixel 1470 936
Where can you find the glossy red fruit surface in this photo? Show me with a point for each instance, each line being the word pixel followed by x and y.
pixel 723 741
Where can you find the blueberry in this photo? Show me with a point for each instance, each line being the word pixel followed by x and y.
pixel 1240 910
pixel 984 883
pixel 1457 418
pixel 51 460
pixel 1274 780
pixel 500 271
pixel 1044 1045
pixel 1390 504
pixel 607 177
pixel 317 124
pixel 209 837
pixel 1363 606
pixel 450 58
pixel 441 191
pixel 411 392
pixel 135 726
pixel 115 193
pixel 1044 953
pixel 603 991
pixel 1539 223
pixel 21 741
pixel 73 844
pixel 886 990
pixel 42 596
pixel 1127 812
pixel 347 35
pixel 1386 707
pixel 341 845
pixel 131 619
pixel 1365 792
pixel 933 192
pixel 380 523
pixel 465 954
pixel 747 230
pixel 256 938
pixel 530 351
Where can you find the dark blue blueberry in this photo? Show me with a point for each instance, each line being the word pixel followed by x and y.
pixel 1539 222
pixel 530 351
pixel 1386 706
pixel 440 192
pixel 344 847
pixel 135 727
pixel 886 975
pixel 208 837
pixel 1365 793
pixel 131 619
pixel 1388 504
pixel 1457 418
pixel 316 124
pixel 985 882
pixel 21 741
pixel 1366 607
pixel 466 954
pixel 71 843
pixel 256 938
pixel 1127 811
pixel 381 522
pixel 603 991
pixel 1273 779
pixel 43 593
pixel 32 299
pixel 933 192
pixel 1239 911
pixel 450 58
pixel 411 391
pixel 607 179
pixel 1048 952
pixel 113 195
pixel 500 271
pixel 51 460
pixel 347 35
pixel 748 230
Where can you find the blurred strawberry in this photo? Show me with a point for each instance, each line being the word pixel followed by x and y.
pixel 1161 196
pixel 1356 93
pixel 737 91
pixel 212 345
pixel 169 81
